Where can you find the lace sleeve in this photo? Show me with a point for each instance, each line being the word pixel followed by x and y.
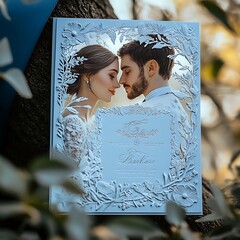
pixel 75 138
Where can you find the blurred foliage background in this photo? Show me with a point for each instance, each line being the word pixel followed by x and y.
pixel 220 71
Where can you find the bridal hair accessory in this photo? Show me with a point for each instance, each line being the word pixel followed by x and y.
pixel 80 60
pixel 74 60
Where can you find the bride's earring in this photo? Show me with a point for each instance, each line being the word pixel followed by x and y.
pixel 88 84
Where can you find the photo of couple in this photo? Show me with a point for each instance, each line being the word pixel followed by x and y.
pixel 144 71
pixel 142 65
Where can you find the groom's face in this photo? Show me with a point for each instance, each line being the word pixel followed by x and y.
pixel 132 78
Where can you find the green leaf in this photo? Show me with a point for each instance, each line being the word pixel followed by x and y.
pixel 5 53
pixel 3 9
pixel 216 67
pixel 174 214
pixel 217 12
pixel 210 217
pixel 187 234
pixel 12 209
pixel 17 80
pixel 30 235
pixel 77 225
pixel 12 180
pixel 226 231
pixel 234 157
pixel 219 203
pixel 50 172
pixel 72 187
pixel 136 227
pixel 134 223
pixel 9 235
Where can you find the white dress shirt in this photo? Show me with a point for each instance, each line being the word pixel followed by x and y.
pixel 164 98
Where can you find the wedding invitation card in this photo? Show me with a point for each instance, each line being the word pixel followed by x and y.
pixel 126 111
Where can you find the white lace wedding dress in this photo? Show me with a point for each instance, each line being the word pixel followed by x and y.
pixel 77 134
pixel 77 137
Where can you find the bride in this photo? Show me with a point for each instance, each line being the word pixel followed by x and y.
pixel 96 70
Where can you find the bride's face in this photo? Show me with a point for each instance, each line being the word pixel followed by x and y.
pixel 104 82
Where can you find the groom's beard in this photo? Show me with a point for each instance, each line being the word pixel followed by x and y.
pixel 139 87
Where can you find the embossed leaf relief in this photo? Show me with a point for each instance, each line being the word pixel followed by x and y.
pixel 179 183
pixel 172 186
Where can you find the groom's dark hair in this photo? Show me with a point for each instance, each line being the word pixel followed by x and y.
pixel 141 53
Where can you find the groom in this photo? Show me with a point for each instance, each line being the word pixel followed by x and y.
pixel 146 70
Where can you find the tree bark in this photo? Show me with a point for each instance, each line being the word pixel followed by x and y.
pixel 28 131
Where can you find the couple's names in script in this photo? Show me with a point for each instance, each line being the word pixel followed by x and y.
pixel 134 156
pixel 136 129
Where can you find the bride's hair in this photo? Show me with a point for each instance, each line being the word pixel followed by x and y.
pixel 96 58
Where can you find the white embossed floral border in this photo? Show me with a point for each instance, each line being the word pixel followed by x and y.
pixel 182 189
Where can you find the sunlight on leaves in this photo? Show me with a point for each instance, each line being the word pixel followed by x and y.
pixel 11 179
pixel 17 80
pixel 174 214
pixel 187 234
pixel 102 232
pixel 11 209
pixel 5 52
pixel 3 9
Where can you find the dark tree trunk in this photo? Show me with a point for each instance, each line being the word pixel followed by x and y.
pixel 28 131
